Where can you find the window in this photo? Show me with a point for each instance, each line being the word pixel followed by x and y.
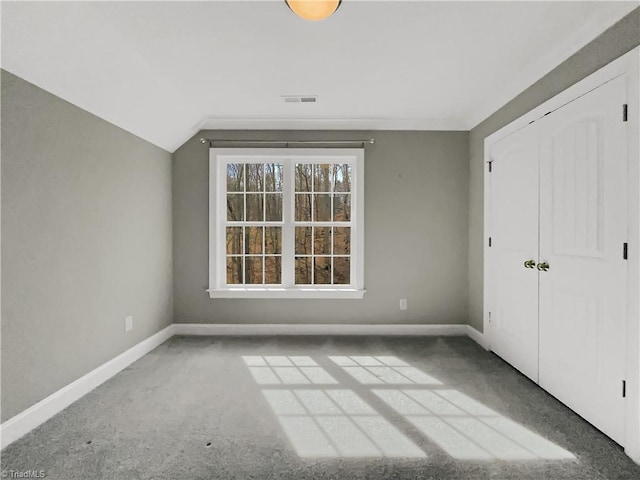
pixel 286 223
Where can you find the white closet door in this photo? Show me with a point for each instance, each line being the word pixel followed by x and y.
pixel 583 225
pixel 514 220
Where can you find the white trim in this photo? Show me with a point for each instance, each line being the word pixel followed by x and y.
pixel 477 337
pixel 34 416
pixel 632 416
pixel 610 71
pixel 628 65
pixel 283 293
pixel 329 123
pixel 318 329
pixel 37 414
pixel 487 290
pixel 219 158
pixel 537 69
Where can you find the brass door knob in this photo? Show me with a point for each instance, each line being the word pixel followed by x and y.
pixel 530 264
pixel 543 267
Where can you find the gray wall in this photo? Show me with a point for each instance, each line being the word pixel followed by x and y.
pixel 616 41
pixel 415 234
pixel 86 240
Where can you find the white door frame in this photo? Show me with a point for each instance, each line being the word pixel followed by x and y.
pixel 628 64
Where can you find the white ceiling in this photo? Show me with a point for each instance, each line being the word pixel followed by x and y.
pixel 164 70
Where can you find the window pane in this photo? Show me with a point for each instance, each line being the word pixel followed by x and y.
pixel 235 177
pixel 253 240
pixel 273 177
pixel 322 241
pixel 342 241
pixel 341 208
pixel 303 177
pixel 303 207
pixel 234 240
pixel 322 208
pixel 255 222
pixel 303 270
pixel 322 178
pixel 303 241
pixel 342 178
pixel 273 240
pixel 234 270
pixel 252 270
pixel 341 270
pixel 255 206
pixel 273 207
pixel 322 271
pixel 273 270
pixel 235 207
pixel 255 177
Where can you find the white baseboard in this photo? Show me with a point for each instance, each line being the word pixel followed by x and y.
pixel 36 415
pixel 477 337
pixel 320 329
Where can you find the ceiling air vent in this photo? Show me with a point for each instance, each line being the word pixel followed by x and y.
pixel 300 98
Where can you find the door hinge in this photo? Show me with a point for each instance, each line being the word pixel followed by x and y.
pixel 625 112
pixel 489 241
pixel 489 317
pixel 490 168
pixel 624 388
pixel 625 251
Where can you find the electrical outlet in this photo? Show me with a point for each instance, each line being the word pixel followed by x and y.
pixel 403 304
pixel 128 323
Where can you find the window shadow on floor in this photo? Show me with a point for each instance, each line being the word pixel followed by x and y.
pixel 323 417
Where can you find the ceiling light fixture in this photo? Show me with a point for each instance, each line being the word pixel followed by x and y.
pixel 313 9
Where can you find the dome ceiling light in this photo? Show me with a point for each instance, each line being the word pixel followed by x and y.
pixel 313 9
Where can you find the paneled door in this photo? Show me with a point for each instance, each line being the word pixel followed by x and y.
pixel 514 249
pixel 583 277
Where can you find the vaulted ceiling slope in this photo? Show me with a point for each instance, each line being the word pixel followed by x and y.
pixel 164 70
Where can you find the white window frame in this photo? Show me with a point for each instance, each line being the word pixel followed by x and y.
pixel 219 158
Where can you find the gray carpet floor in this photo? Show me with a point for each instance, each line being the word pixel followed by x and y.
pixel 192 409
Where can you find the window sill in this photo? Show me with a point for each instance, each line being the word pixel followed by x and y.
pixel 276 292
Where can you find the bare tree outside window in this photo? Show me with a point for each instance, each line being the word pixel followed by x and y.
pixel 286 222
pixel 254 197
pixel 323 197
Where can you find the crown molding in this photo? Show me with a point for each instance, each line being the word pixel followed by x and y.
pixel 325 123
pixel 276 123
